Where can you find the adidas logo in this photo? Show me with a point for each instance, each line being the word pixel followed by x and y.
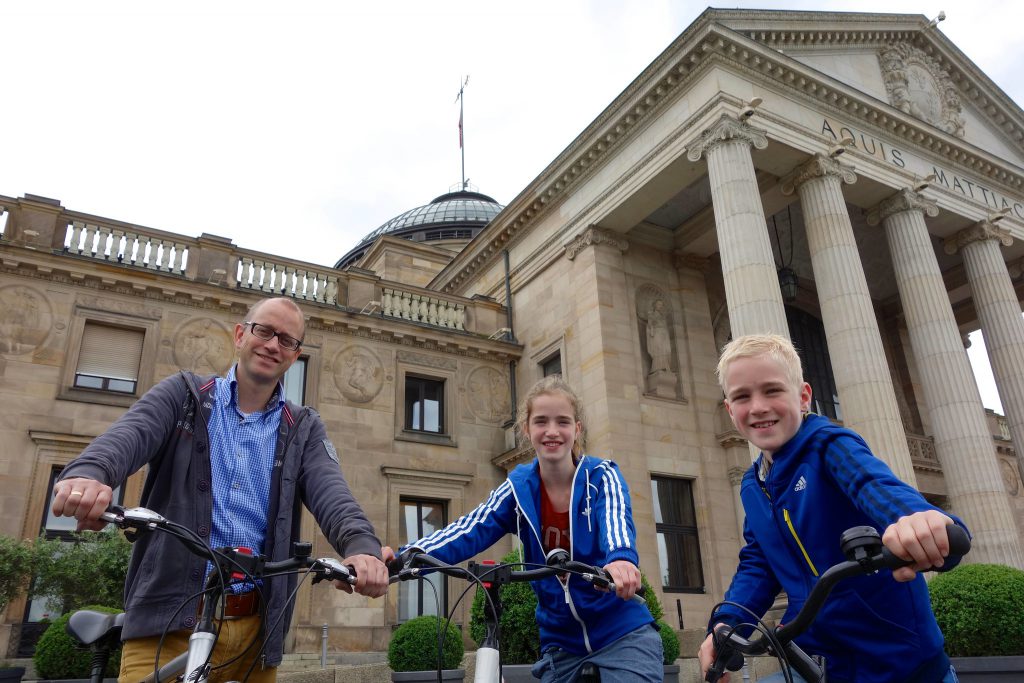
pixel 801 484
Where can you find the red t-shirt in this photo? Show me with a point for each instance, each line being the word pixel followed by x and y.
pixel 554 526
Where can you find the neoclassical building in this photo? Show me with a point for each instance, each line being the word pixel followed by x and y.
pixel 852 181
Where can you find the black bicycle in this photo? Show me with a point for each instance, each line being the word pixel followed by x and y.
pixel 416 565
pixel 101 633
pixel 865 554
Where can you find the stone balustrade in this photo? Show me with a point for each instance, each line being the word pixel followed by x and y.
pixel 423 308
pixel 127 247
pixel 301 281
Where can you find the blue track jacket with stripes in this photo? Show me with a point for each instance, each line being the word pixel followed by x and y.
pixel 823 481
pixel 577 618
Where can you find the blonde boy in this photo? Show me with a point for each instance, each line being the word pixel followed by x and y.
pixel 812 481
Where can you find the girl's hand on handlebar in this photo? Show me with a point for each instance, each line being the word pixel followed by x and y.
pixel 920 537
pixel 626 577
pixel 83 499
pixel 371 576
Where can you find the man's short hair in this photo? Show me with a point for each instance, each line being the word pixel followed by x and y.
pixel 250 315
pixel 775 346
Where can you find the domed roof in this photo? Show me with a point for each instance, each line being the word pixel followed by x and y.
pixel 452 216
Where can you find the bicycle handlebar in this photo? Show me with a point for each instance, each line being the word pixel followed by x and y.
pixel 866 555
pixel 409 567
pixel 141 519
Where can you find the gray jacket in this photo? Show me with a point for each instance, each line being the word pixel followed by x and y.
pixel 166 429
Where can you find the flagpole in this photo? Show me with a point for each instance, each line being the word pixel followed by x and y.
pixel 462 147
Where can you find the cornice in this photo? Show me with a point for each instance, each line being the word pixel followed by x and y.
pixel 757 53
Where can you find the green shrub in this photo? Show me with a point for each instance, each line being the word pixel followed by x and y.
pixel 413 646
pixel 90 569
pixel 16 561
pixel 520 639
pixel 980 609
pixel 58 655
pixel 669 642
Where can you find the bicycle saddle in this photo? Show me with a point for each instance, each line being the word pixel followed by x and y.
pixel 88 627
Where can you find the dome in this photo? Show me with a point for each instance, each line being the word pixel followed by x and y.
pixel 452 216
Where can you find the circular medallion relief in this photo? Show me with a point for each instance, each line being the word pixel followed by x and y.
pixel 25 319
pixel 1010 477
pixel 487 395
pixel 358 374
pixel 204 345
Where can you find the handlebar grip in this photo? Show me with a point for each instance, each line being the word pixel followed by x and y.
pixel 959 545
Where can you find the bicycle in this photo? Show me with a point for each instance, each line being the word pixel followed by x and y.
pixel 101 632
pixel 865 554
pixel 491 577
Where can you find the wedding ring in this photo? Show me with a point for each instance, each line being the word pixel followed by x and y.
pixel 74 493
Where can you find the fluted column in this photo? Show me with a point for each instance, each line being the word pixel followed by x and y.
pixel 866 394
pixel 748 265
pixel 963 444
pixel 1000 316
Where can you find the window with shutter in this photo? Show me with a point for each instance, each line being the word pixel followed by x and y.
pixel 109 359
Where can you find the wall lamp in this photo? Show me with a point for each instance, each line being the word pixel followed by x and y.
pixel 922 184
pixel 999 215
pixel 748 110
pixel 935 22
pixel 840 147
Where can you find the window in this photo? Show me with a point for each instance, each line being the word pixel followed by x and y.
pixel 552 366
pixel 421 518
pixel 109 358
pixel 424 404
pixel 295 382
pixel 808 336
pixel 678 544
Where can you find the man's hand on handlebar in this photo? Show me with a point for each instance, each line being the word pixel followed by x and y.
pixel 83 499
pixel 371 575
pixel 920 537
pixel 626 577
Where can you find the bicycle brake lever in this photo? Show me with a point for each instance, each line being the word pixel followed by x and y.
pixel 335 571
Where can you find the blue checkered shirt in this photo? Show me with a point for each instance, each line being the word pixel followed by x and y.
pixel 241 461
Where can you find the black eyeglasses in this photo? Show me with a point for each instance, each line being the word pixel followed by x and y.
pixel 267 333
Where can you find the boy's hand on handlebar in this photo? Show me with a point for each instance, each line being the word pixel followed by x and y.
pixel 706 655
pixel 371 576
pixel 83 499
pixel 920 537
pixel 626 577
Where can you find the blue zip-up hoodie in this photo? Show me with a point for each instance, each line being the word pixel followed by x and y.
pixel 577 618
pixel 823 481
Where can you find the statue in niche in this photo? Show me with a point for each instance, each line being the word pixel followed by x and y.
pixel 661 379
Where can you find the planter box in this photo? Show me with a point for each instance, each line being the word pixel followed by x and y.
pixel 989 669
pixel 671 673
pixel 11 674
pixel 427 676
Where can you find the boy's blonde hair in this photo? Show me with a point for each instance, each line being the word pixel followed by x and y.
pixel 552 384
pixel 774 346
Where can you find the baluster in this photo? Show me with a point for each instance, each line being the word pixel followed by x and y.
pixel 386 306
pixel 330 291
pixel 179 258
pixel 303 278
pixel 146 255
pixel 445 315
pixel 406 301
pixel 116 246
pixel 432 312
pixel 424 312
pixel 267 282
pixel 287 284
pixel 76 238
pixel 102 238
pixel 460 317
pixel 245 272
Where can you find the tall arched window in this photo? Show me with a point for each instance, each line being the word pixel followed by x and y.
pixel 808 335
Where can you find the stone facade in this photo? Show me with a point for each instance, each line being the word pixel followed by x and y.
pixel 631 258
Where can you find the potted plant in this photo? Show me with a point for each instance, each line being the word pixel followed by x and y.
pixel 980 609
pixel 16 560
pixel 59 657
pixel 413 651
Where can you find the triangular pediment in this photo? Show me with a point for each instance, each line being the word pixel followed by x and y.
pixel 899 59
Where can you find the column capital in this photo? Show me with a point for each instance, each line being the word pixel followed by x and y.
pixel 904 200
pixel 979 232
pixel 592 235
pixel 736 475
pixel 818 166
pixel 726 128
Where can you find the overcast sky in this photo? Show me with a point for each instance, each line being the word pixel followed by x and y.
pixel 296 128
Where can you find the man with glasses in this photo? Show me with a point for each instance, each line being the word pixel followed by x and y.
pixel 230 458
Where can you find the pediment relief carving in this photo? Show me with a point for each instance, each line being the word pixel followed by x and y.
pixel 918 85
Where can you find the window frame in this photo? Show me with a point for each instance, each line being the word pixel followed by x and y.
pixel 443 372
pixel 423 595
pixel 679 531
